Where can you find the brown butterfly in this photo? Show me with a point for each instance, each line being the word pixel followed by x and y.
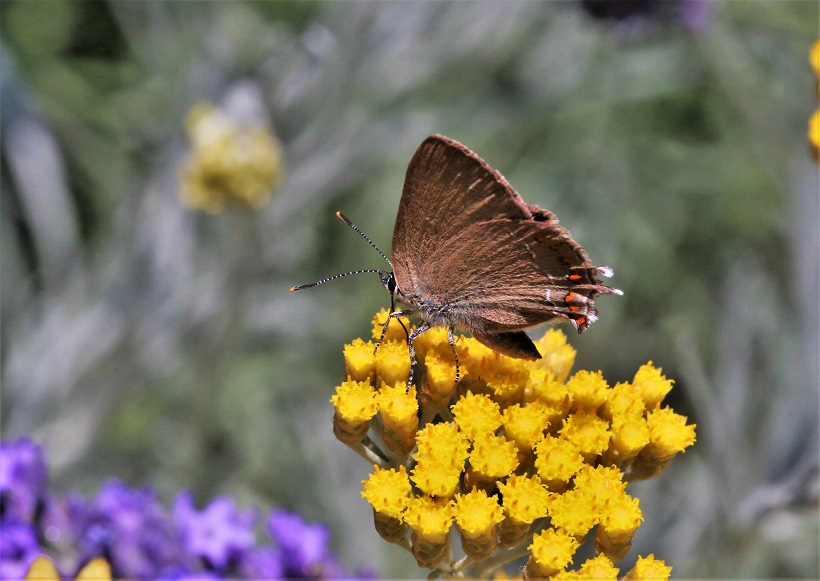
pixel 469 253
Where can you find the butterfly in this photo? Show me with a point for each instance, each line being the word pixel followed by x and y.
pixel 469 253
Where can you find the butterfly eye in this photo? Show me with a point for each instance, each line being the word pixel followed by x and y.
pixel 389 283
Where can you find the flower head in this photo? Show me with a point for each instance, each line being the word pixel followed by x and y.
pixel 22 478
pixel 229 161
pixel 219 534
pixel 510 444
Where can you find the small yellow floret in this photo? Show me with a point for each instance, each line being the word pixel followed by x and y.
pixel 476 414
pixel 429 518
pixel 557 460
pixel 355 401
pixel 399 412
pixel 621 517
pixel 437 478
pixel 395 332
pixel 442 441
pixel 392 362
pixel 435 341
pixel 440 380
pixel 557 356
pixel 398 406
pixel 587 431
pixel 588 390
pixel 598 568
pixel 551 551
pixel 525 425
pixel 524 499
pixel 629 436
pixel 388 491
pixel 624 400
pixel 814 58
pixel 574 512
pixel 477 514
pixel 542 387
pixel 360 362
pixel 600 483
pixel 652 384
pixel 668 434
pixel 649 569
pixel 493 456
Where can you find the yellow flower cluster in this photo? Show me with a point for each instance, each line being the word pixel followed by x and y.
pixel 814 122
pixel 517 455
pixel 229 162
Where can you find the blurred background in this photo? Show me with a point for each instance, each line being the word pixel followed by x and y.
pixel 147 339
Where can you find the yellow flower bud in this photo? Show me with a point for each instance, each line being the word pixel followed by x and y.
pixel 355 403
pixel 395 332
pixel 588 390
pixel 574 512
pixel 652 385
pixel 430 520
pixel 550 552
pixel 649 569
pixel 360 361
pixel 599 568
pixel 399 412
pixel 587 431
pixel 478 516
pixel 476 414
pixel 620 519
pixel 557 356
pixel 557 460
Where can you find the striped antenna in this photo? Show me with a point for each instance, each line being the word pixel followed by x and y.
pixel 381 273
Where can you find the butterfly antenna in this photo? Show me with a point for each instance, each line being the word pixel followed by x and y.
pixel 334 277
pixel 363 235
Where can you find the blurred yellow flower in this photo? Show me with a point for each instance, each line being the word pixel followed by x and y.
pixel 228 162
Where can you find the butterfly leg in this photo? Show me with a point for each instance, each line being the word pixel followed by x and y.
pixel 451 340
pixel 396 315
pixel 419 330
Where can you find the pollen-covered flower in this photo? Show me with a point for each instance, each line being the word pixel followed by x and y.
pixel 600 568
pixel 430 520
pixel 550 552
pixel 477 517
pixel 392 362
pixel 574 512
pixel 394 332
pixel 557 356
pixel 360 361
pixel 398 408
pixel 588 390
pixel 524 501
pixel 668 435
pixel 389 493
pixel 557 460
pixel 476 414
pixel 587 431
pixel 625 401
pixel 229 161
pixel 355 403
pixel 652 385
pixel 492 457
pixel 649 569
pixel 620 518
pixel 524 425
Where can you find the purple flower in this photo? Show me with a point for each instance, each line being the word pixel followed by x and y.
pixel 22 479
pixel 126 526
pixel 303 547
pixel 219 534
pixel 18 548
pixel 263 563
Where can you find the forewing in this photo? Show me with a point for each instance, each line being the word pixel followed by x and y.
pixel 447 189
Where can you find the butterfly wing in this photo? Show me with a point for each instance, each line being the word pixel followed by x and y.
pixel 447 187
pixel 467 251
